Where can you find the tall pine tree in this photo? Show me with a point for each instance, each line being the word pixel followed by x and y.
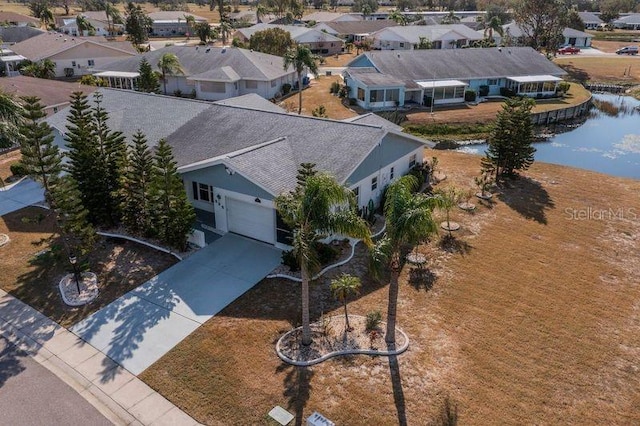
pixel 95 158
pixel 136 186
pixel 43 161
pixel 173 214
pixel 511 137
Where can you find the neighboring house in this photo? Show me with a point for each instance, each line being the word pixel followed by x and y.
pixel 407 37
pixel 352 31
pixel 211 73
pixel 246 18
pixel 54 95
pixel 12 35
pixel 235 160
pixel 73 56
pixel 628 22
pixel 317 41
pixel 514 36
pixel 172 23
pixel 98 19
pixel 324 16
pixel 591 20
pixel 384 79
pixel 17 19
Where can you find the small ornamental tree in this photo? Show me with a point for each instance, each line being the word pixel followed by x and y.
pixel 510 140
pixel 173 215
pixel 148 80
pixel 343 287
pixel 274 41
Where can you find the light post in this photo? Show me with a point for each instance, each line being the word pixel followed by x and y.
pixel 73 261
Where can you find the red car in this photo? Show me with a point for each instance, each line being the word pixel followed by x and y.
pixel 569 50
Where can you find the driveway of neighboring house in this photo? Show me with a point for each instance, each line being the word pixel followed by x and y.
pixel 21 195
pixel 141 326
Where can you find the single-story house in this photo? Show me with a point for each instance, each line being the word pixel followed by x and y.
pixel 326 16
pixel 54 95
pixel 408 37
pixel 234 160
pixel 98 19
pixel 352 31
pixel 18 19
pixel 516 36
pixel 73 56
pixel 12 35
pixel 211 73
pixel 591 20
pixel 628 22
pixel 386 79
pixel 317 41
pixel 172 23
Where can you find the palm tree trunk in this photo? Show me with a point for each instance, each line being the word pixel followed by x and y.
pixel 346 315
pixel 390 337
pixel 299 93
pixel 306 327
pixel 164 81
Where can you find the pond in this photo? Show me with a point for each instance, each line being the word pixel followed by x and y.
pixel 608 142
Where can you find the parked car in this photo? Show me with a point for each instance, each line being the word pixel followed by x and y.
pixel 627 50
pixel 569 50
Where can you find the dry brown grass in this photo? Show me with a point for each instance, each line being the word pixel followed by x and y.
pixel 318 94
pixel 613 69
pixel 120 266
pixel 530 317
pixel 6 160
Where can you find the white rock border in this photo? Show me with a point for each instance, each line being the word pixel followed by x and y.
pixel 88 294
pixel 4 239
pixel 467 206
pixel 416 258
pixel 450 226
pixel 482 196
pixel 288 360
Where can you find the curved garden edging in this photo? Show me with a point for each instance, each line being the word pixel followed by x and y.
pixel 12 184
pixel 330 355
pixel 135 240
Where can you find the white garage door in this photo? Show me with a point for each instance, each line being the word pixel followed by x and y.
pixel 251 220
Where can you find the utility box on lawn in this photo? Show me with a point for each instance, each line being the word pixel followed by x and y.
pixel 317 419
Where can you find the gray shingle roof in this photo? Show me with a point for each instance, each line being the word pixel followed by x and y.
pixel 371 77
pixel 174 15
pixel 412 33
pixel 18 34
pixel 589 17
pixel 360 27
pixel 157 116
pixel 197 60
pixel 49 43
pixel 416 65
pixel 252 101
pixel 372 119
pixel 266 147
pixel 299 34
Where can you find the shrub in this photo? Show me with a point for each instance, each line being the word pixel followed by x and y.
pixel 353 101
pixel 335 88
pixel 469 95
pixel 564 86
pixel 326 255
pixel 18 169
pixel 483 90
pixel 288 259
pixel 506 92
pixel 373 320
pixel 320 111
pixel 344 91
pixel 286 88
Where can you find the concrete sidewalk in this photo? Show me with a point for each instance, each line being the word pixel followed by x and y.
pixel 115 392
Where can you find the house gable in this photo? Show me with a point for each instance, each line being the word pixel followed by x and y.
pixel 218 177
pixel 90 50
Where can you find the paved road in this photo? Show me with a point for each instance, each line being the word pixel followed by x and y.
pixel 144 324
pixel 32 395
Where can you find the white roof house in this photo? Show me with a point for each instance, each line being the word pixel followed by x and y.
pixel 514 33
pixel 319 42
pixel 441 36
pixel 629 22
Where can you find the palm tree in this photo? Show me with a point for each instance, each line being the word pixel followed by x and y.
pixel 169 64
pixel 494 25
pixel 47 69
pixel 261 12
pixel 451 18
pixel 11 116
pixel 84 25
pixel 398 17
pixel 224 29
pixel 191 23
pixel 409 220
pixel 300 57
pixel 342 287
pixel 113 15
pixel 310 211
pixel 447 199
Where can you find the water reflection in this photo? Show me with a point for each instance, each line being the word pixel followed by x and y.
pixel 607 142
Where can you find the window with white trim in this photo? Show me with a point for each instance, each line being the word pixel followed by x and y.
pixel 374 183
pixel 202 192
pixel 91 62
pixel 412 160
pixel 251 84
pixel 492 82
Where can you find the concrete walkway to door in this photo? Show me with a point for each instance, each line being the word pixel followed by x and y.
pixel 144 324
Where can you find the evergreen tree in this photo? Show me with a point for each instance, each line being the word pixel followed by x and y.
pixel 135 184
pixel 40 155
pixel 173 215
pixel 137 24
pixel 510 139
pixel 148 80
pixel 111 147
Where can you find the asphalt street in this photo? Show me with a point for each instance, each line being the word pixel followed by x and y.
pixel 32 395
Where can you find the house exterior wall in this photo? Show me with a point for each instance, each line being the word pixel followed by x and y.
pixel 366 103
pixel 324 47
pixel 202 92
pixel 393 151
pixel 78 58
pixel 577 41
pixel 168 29
pixel 266 89
pixel 494 85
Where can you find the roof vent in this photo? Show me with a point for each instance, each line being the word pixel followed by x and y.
pixel 64 39
pixel 499 49
pixel 224 49
pixel 208 49
pixel 196 47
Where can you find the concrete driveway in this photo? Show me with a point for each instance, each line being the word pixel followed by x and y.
pixel 21 195
pixel 141 326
